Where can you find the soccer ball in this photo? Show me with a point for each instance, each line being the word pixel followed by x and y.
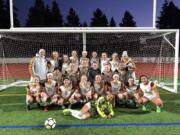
pixel 50 123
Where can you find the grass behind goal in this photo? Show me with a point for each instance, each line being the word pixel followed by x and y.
pixel 13 112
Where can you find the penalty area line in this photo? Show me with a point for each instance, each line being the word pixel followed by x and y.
pixel 102 125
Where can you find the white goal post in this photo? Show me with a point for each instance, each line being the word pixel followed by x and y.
pixel 100 32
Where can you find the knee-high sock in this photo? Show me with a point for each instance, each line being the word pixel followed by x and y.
pixel 77 114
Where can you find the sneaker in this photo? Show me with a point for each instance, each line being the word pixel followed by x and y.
pixel 144 108
pixel 45 109
pixel 28 107
pixel 66 112
pixel 158 109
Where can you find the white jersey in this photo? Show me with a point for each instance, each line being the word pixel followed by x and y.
pixel 50 88
pixel 114 65
pixel 131 90
pixel 64 67
pixel 65 92
pixel 39 67
pixel 103 64
pixel 147 90
pixel 98 88
pixel 85 88
pixel 34 90
pixel 116 86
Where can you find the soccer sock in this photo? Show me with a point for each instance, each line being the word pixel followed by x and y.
pixel 144 108
pixel 77 114
pixel 158 109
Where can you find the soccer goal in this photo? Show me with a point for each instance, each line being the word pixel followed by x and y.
pixel 155 52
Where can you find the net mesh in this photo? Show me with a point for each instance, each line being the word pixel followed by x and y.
pixel 152 52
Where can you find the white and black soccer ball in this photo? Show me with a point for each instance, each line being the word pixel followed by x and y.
pixel 50 123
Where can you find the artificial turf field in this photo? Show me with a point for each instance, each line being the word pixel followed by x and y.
pixel 13 113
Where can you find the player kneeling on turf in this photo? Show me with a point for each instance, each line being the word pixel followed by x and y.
pixel 65 93
pixel 102 106
pixel 50 91
pixel 132 90
pixel 33 92
pixel 150 93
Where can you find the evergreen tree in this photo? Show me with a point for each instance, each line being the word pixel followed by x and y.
pixel 85 24
pixel 36 16
pixel 99 19
pixel 127 20
pixel 48 17
pixel 57 18
pixel 169 16
pixel 72 19
pixel 112 22
pixel 2 15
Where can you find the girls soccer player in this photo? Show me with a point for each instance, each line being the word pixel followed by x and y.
pixel 103 61
pixel 129 65
pixel 101 107
pixel 65 63
pixel 114 62
pixel 85 88
pixel 150 93
pixel 33 92
pixel 107 73
pixel 98 86
pixel 50 91
pixel 118 89
pixel 65 93
pixel 94 58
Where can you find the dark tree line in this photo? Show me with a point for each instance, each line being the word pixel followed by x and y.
pixel 41 15
pixel 5 15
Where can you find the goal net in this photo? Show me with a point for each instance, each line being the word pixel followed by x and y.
pixel 155 52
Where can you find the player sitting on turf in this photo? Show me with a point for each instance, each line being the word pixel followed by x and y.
pixel 150 93
pixel 98 87
pixel 65 93
pixel 129 65
pixel 114 62
pixel 102 106
pixel 85 89
pixel 118 89
pixel 132 90
pixel 33 92
pixel 50 92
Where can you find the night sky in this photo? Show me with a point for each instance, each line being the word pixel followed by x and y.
pixel 142 10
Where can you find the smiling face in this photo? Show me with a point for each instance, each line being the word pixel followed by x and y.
pixel 42 53
pixel 74 53
pixel 35 81
pixel 94 54
pixel 144 80
pixel 131 81
pixel 98 78
pixel 66 82
pixel 116 77
pixel 65 58
pixel 49 77
pixel 83 78
pixel 84 53
pixel 104 55
pixel 55 55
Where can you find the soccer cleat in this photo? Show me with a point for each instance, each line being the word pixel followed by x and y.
pixel 158 109
pixel 66 112
pixel 144 108
pixel 45 109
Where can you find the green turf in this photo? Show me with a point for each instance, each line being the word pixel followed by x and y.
pixel 16 114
